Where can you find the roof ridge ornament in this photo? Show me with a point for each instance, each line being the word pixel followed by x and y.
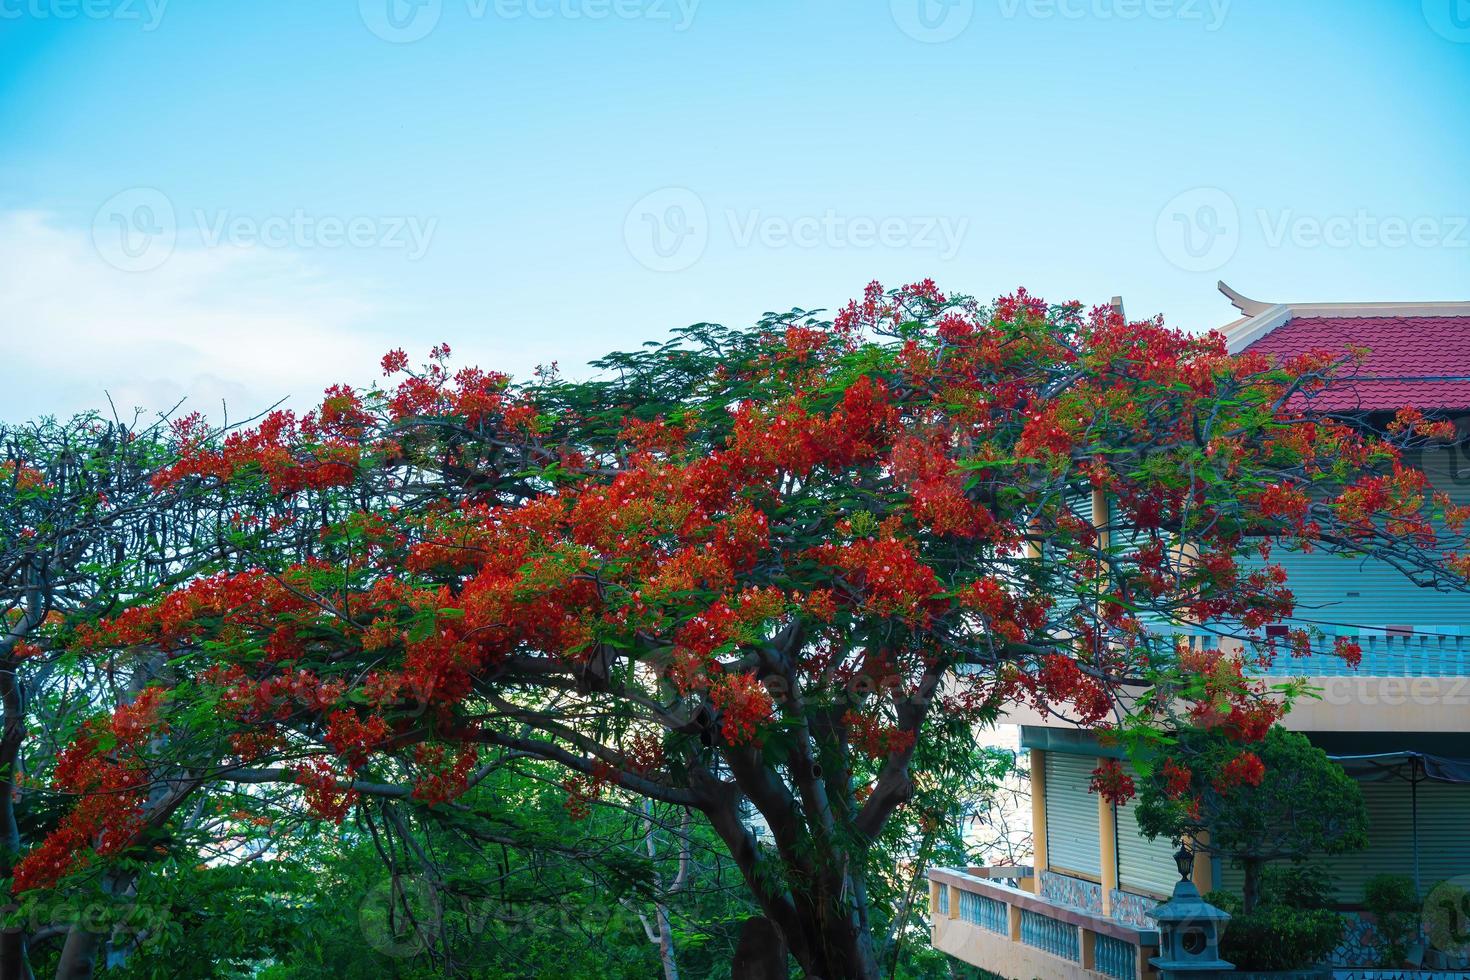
pixel 1250 307
pixel 1392 308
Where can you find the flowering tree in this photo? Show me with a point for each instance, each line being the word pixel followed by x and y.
pixel 787 568
pixel 83 532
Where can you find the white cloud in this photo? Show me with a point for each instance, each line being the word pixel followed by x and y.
pixel 246 325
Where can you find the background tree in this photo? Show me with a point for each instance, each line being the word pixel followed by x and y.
pixel 1283 799
pixel 788 568
pixel 83 533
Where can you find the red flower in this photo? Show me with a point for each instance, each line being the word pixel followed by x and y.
pixel 1111 783
pixel 1245 769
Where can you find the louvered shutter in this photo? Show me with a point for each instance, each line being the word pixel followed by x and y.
pixel 1071 815
pixel 1144 866
pixel 1444 832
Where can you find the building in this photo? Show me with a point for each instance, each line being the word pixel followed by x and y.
pixel 1400 723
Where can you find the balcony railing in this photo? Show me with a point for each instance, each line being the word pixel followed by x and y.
pixel 1388 650
pixel 991 917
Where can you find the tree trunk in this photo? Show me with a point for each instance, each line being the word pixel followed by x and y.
pixel 666 943
pixel 1251 890
pixel 845 947
pixel 79 955
pixel 761 953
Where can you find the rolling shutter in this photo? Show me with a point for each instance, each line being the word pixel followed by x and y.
pixel 1444 832
pixel 1071 815
pixel 1144 866
pixel 1390 841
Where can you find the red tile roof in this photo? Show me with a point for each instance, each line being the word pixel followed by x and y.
pixel 1420 361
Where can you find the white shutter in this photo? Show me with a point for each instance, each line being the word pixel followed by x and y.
pixel 1071 815
pixel 1144 866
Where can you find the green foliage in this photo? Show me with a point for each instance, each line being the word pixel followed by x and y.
pixel 1304 804
pixel 1276 937
pixel 518 888
pixel 1394 902
pixel 1298 886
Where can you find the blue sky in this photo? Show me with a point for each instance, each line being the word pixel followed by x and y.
pixel 247 201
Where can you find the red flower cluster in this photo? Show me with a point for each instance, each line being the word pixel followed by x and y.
pixel 1111 783
pixel 745 707
pixel 1246 769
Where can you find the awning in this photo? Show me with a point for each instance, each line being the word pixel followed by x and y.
pixel 1412 767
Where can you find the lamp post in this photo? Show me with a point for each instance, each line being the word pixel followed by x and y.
pixel 1189 929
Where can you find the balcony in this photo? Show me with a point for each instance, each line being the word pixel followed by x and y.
pixel 983 916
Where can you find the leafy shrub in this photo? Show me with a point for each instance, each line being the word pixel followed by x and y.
pixel 1276 937
pixel 1394 902
pixel 1298 886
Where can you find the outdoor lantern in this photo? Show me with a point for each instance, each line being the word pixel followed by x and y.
pixel 1184 861
pixel 1189 929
